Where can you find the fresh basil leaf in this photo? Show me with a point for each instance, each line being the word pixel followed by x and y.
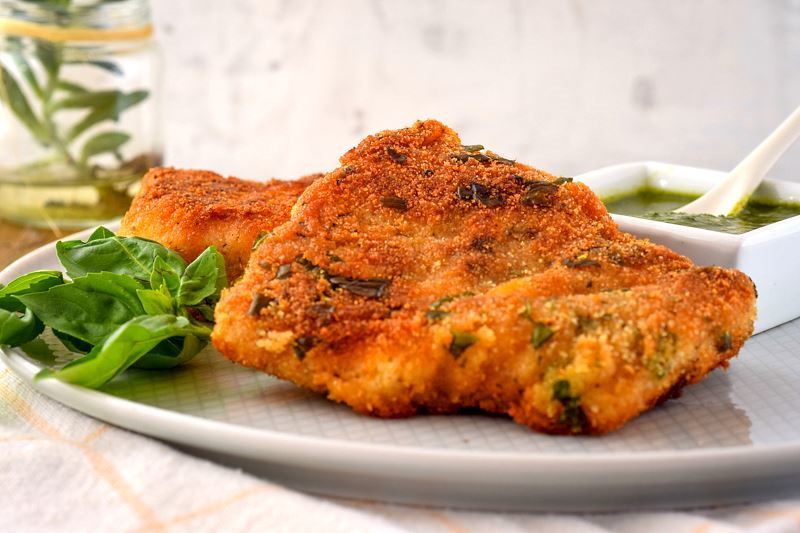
pixel 155 302
pixel 130 256
pixel 70 87
pixel 39 351
pixel 206 311
pixel 171 353
pixel 204 278
pixel 125 346
pixel 108 66
pixel 16 329
pixel 25 69
pixel 91 99
pixel 90 308
pixel 100 233
pixel 49 55
pixel 72 344
pixel 38 281
pixel 163 275
pixel 101 143
pixel 15 99
pixel 167 348
pixel 108 109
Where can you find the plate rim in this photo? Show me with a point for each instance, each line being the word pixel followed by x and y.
pixel 96 400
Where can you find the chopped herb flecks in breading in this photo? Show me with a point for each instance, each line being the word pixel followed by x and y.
pixel 572 414
pixel 461 341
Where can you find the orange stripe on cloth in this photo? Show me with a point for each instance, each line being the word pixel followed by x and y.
pixel 100 464
pixel 792 512
pixel 214 507
pixel 94 435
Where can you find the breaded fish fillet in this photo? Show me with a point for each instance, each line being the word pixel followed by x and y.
pixel 189 210
pixel 424 275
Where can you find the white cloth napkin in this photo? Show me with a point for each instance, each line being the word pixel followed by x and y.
pixel 63 471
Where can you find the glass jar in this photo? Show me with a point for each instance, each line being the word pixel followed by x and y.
pixel 79 109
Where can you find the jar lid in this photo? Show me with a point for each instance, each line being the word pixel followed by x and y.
pixel 77 20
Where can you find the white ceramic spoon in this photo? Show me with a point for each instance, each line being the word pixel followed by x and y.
pixel 731 194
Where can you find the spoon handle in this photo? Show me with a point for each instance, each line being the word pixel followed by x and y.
pixel 731 194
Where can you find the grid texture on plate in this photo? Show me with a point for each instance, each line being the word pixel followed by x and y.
pixel 755 402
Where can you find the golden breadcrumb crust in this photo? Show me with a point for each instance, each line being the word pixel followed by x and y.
pixel 190 210
pixel 423 275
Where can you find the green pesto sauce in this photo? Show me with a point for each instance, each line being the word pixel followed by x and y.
pixel 658 205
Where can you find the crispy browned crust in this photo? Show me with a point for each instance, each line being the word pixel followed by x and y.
pixel 632 321
pixel 189 210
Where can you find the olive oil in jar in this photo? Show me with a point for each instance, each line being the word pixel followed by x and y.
pixel 79 118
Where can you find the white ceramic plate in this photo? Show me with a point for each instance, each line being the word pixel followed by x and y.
pixel 734 437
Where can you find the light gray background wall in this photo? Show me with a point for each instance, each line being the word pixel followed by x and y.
pixel 261 88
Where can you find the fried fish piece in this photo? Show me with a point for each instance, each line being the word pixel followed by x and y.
pixel 190 210
pixel 427 276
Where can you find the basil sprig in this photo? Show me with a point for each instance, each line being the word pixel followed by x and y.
pixel 127 302
pixel 58 113
pixel 19 325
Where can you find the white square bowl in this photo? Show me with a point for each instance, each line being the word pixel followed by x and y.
pixel 770 255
